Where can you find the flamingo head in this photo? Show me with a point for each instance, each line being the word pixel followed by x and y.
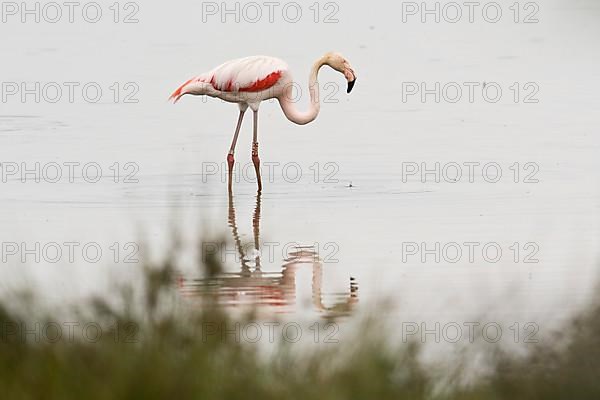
pixel 339 63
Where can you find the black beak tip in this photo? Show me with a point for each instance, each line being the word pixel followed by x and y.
pixel 351 85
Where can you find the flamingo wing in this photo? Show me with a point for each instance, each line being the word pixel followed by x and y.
pixel 250 74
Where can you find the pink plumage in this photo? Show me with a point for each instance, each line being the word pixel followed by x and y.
pixel 250 74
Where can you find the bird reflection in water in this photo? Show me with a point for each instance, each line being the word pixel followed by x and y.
pixel 251 286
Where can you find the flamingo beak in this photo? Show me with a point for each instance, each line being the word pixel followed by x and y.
pixel 351 77
pixel 351 85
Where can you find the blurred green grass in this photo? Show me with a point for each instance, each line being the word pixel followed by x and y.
pixel 171 358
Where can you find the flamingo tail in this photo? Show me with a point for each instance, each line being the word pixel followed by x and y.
pixel 179 92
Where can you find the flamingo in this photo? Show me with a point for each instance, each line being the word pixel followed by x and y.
pixel 251 80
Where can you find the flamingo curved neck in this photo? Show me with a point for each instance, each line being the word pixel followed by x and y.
pixel 287 100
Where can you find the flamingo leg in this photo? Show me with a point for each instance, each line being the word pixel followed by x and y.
pixel 255 158
pixel 230 158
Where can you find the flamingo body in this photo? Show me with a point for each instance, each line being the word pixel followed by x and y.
pixel 249 80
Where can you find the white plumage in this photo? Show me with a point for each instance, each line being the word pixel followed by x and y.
pixel 244 72
pixel 243 80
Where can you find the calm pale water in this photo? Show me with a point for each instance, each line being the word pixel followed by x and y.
pixel 337 223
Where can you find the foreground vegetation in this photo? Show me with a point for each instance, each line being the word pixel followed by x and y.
pixel 165 355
